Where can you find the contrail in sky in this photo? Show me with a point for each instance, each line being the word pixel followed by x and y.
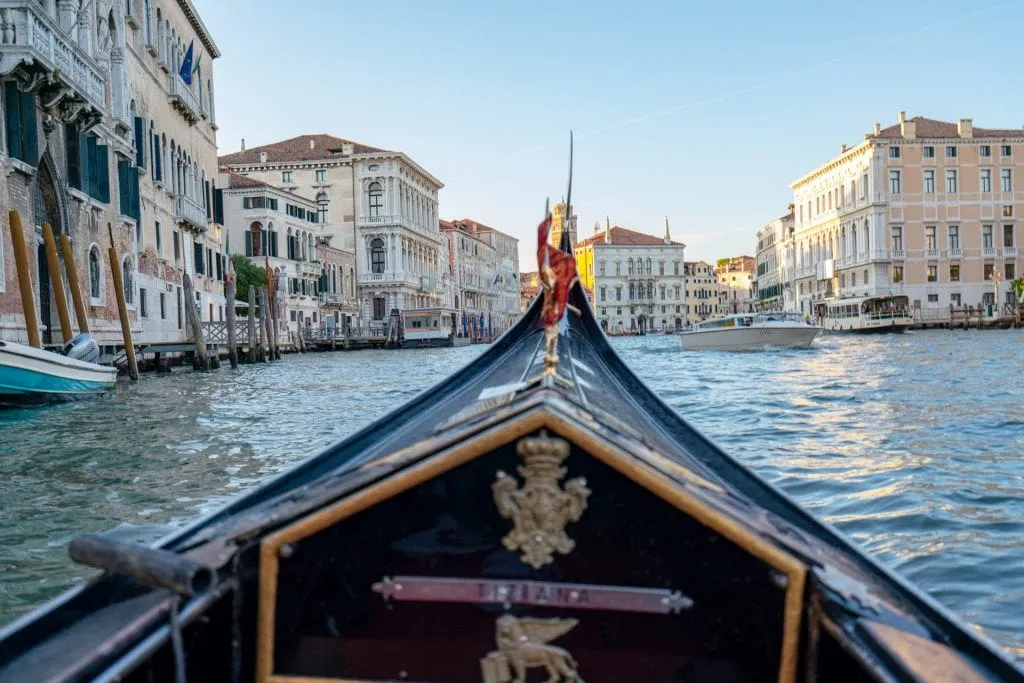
pixel 506 161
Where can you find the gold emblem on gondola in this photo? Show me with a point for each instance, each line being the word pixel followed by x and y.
pixel 541 509
pixel 523 644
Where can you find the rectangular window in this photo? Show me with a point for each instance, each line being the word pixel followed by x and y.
pixel 985 151
pixel 1006 179
pixel 929 181
pixel 864 186
pixel 951 181
pixel 929 237
pixel 177 246
pixel 928 152
pixel 140 142
pixel 1005 151
pixel 988 270
pixel 159 241
pixel 894 182
pixel 933 298
pixel 20 118
pixel 198 258
pixel 954 237
pixel 1008 235
pixel 986 180
pixel 933 273
pixel 143 303
pixel 950 152
pixel 286 176
pixel 986 237
pixel 378 308
pixel 897 274
pixel 897 237
pixel 1007 210
pixel 954 272
pixel 954 298
pixel 1010 271
pixel 128 190
pixel 894 152
pixel 321 176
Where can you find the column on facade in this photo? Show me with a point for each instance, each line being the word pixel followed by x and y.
pixel 84 24
pixel 118 84
pixel 64 12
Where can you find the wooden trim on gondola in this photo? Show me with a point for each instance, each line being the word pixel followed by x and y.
pixel 643 474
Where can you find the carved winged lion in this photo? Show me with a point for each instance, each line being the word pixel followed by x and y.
pixel 524 642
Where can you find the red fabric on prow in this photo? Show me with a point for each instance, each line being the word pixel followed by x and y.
pixel 563 267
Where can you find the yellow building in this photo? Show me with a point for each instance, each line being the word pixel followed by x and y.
pixel 923 208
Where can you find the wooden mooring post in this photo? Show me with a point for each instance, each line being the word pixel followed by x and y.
pixel 232 332
pixel 192 315
pixel 73 284
pixel 122 307
pixel 275 349
pixel 57 283
pixel 253 339
pixel 264 327
pixel 21 263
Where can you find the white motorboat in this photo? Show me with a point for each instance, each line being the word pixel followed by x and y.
pixel 750 332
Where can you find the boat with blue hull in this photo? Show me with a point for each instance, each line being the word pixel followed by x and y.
pixel 31 376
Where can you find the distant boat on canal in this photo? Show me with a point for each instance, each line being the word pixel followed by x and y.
pixel 750 332
pixel 31 376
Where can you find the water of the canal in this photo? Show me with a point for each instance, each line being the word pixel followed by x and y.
pixel 912 445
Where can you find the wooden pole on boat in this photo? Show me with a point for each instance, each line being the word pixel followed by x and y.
pixel 252 325
pixel 192 315
pixel 122 307
pixel 21 262
pixel 57 282
pixel 73 284
pixel 229 293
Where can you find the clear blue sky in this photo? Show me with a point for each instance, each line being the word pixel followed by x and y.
pixel 702 112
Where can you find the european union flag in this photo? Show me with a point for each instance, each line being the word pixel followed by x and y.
pixel 186 65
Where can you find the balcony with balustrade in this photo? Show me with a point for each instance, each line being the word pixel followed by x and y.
pixel 45 58
pixel 189 214
pixel 1010 252
pixel 183 98
pixel 931 253
pixel 956 252
pixel 395 220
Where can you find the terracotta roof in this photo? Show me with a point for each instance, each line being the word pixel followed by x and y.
pixel 624 237
pixel 931 128
pixel 298 149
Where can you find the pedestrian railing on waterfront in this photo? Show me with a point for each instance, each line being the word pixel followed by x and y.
pixel 216 332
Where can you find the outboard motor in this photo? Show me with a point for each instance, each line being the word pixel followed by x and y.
pixel 84 348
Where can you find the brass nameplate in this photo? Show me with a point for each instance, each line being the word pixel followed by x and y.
pixel 540 593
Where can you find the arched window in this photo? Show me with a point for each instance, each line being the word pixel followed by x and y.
pixel 128 279
pixel 321 207
pixel 648 268
pixel 377 260
pixel 629 267
pixel 631 291
pixel 254 240
pixel 650 286
pixel 95 275
pixel 376 192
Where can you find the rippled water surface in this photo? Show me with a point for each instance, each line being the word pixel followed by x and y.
pixel 913 445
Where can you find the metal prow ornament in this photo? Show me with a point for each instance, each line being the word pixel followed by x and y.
pixel 557 274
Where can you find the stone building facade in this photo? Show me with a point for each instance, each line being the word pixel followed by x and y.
pixel 702 300
pixel 105 141
pixel 377 204
pixel 771 263
pixel 736 288
pixel 923 208
pixel 638 280
pixel 486 269
pixel 280 230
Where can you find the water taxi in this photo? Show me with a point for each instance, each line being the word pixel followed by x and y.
pixel 865 314
pixel 750 331
pixel 538 515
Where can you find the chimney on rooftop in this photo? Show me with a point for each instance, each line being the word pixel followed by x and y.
pixel 312 143
pixel 347 148
pixel 243 144
pixel 901 116
pixel 878 128
pixel 843 151
pixel 263 157
pixel 965 128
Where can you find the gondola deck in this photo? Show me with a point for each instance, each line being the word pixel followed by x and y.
pixel 509 524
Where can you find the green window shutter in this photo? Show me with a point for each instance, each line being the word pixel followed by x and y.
pixel 74 159
pixel 140 142
pixel 104 174
pixel 29 140
pixel 248 243
pixel 122 187
pixel 12 117
pixel 136 202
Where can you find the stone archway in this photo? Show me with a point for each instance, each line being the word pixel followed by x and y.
pixel 642 324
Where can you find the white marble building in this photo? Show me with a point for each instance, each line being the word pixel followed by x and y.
pixel 638 280
pixel 771 264
pixel 380 205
